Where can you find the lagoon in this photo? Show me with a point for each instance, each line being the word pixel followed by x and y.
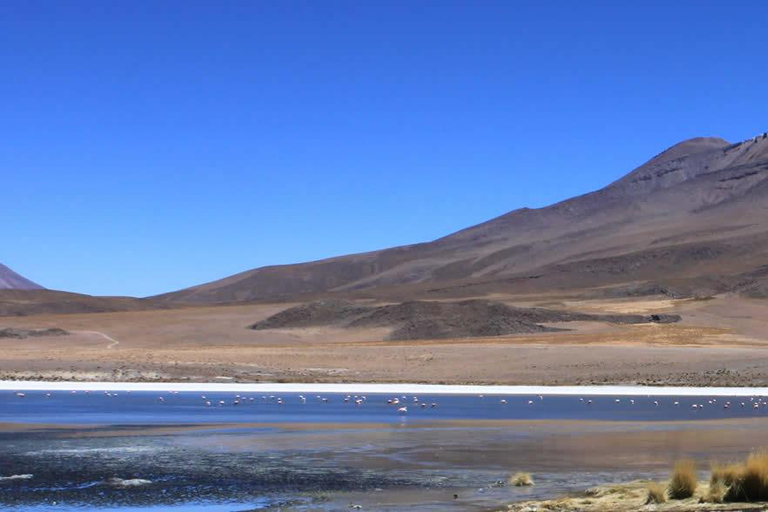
pixel 328 452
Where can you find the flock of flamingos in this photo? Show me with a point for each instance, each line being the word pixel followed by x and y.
pixel 402 403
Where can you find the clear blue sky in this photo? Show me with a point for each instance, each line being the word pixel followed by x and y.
pixel 147 146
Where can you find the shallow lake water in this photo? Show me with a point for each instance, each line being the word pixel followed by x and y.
pixel 213 452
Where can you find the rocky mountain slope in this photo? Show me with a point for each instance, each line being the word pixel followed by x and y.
pixel 10 280
pixel 691 221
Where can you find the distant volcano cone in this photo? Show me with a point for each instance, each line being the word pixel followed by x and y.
pixel 10 280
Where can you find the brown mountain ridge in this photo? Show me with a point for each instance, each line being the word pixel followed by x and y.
pixel 692 221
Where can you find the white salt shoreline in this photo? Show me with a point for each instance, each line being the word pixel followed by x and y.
pixel 391 389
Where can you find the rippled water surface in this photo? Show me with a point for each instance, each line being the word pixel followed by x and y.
pixel 226 452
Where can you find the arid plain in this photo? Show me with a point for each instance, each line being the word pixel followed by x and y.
pixel 720 341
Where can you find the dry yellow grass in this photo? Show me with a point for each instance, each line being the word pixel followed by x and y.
pixel 683 482
pixel 722 479
pixel 521 480
pixel 749 482
pixel 657 493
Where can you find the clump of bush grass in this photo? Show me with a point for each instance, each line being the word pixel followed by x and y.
pixel 717 492
pixel 683 483
pixel 723 482
pixel 521 480
pixel 750 482
pixel 657 493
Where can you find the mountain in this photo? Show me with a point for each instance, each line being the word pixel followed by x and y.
pixel 692 221
pixel 10 280
pixel 42 302
pixel 21 297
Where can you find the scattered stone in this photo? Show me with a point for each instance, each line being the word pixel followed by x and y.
pixel 131 482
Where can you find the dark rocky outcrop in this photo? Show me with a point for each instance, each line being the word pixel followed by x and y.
pixel 440 320
pixel 20 334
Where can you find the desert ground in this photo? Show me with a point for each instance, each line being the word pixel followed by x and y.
pixel 720 341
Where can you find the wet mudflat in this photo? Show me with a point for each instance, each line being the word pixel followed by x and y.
pixel 224 452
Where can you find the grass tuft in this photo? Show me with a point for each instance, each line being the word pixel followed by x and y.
pixel 723 482
pixel 657 493
pixel 745 482
pixel 683 483
pixel 751 482
pixel 521 480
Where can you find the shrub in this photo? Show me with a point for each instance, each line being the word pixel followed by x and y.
pixel 750 482
pixel 657 493
pixel 683 483
pixel 724 482
pixel 717 492
pixel 521 480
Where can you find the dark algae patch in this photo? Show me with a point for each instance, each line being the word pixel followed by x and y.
pixel 116 472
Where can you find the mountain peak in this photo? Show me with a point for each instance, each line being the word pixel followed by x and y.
pixel 690 147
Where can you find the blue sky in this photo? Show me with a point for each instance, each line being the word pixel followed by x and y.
pixel 152 145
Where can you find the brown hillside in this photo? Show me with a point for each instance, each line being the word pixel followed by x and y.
pixel 691 221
